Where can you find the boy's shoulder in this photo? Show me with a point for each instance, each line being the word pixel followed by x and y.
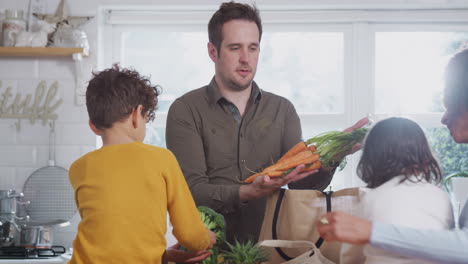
pixel 125 149
pixel 83 158
pixel 153 149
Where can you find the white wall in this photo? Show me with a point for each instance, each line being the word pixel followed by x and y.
pixel 23 152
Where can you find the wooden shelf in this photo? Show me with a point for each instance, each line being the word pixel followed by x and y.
pixel 29 51
pixel 75 53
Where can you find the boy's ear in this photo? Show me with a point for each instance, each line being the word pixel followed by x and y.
pixel 212 51
pixel 136 117
pixel 94 128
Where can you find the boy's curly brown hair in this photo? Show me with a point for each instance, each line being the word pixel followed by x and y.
pixel 114 93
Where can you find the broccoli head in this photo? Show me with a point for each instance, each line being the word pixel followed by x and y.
pixel 213 221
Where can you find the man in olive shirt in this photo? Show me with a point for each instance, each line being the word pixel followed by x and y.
pixel 222 132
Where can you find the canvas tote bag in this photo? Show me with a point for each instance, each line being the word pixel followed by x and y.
pixel 313 256
pixel 291 215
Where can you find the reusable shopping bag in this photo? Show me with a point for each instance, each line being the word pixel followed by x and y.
pixel 292 214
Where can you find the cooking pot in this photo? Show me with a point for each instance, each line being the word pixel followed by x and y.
pixel 8 232
pixel 8 201
pixel 39 234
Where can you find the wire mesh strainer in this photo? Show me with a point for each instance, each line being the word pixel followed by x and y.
pixel 49 190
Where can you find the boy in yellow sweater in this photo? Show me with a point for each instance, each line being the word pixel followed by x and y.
pixel 124 190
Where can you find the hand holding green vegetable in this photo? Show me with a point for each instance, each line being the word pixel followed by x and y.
pixel 215 224
pixel 175 254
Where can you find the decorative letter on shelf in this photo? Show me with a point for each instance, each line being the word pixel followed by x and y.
pixel 42 107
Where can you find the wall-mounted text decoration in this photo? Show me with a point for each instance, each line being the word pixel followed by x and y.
pixel 38 106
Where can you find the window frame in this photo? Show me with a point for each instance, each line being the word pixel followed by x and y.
pixel 358 25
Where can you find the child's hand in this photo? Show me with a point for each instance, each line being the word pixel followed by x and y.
pixel 212 238
pixel 343 227
pixel 174 254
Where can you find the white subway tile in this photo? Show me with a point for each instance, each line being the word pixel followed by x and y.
pixel 5 171
pixel 69 111
pixel 66 155
pixel 42 155
pixel 7 182
pixel 74 133
pixel 33 134
pixel 50 68
pixel 17 68
pixel 7 178
pixel 8 134
pixel 17 156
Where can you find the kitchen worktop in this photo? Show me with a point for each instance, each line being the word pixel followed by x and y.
pixel 56 260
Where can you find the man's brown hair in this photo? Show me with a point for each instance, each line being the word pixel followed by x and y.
pixel 231 11
pixel 114 93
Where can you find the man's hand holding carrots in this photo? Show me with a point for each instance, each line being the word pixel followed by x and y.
pixel 264 185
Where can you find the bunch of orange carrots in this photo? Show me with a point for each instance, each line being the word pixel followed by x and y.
pixel 297 155
pixel 330 147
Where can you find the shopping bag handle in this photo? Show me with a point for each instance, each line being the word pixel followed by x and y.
pixel 287 244
pixel 274 232
pixel 298 244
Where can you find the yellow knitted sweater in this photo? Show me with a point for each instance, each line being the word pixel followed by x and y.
pixel 123 193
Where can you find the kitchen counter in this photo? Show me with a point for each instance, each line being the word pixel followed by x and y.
pixel 62 259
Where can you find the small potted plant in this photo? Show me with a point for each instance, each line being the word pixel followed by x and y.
pixel 244 253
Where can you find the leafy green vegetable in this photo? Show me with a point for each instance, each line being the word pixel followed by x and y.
pixel 247 253
pixel 213 221
pixel 333 146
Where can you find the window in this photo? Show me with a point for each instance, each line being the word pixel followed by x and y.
pixel 307 67
pixel 335 66
pixel 176 60
pixel 410 65
pixel 409 77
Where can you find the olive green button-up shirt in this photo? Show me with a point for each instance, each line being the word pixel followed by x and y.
pixel 217 149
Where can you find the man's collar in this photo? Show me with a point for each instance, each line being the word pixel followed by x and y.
pixel 215 95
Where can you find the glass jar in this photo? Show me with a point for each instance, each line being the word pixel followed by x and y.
pixel 63 37
pixel 12 25
pixel 69 37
